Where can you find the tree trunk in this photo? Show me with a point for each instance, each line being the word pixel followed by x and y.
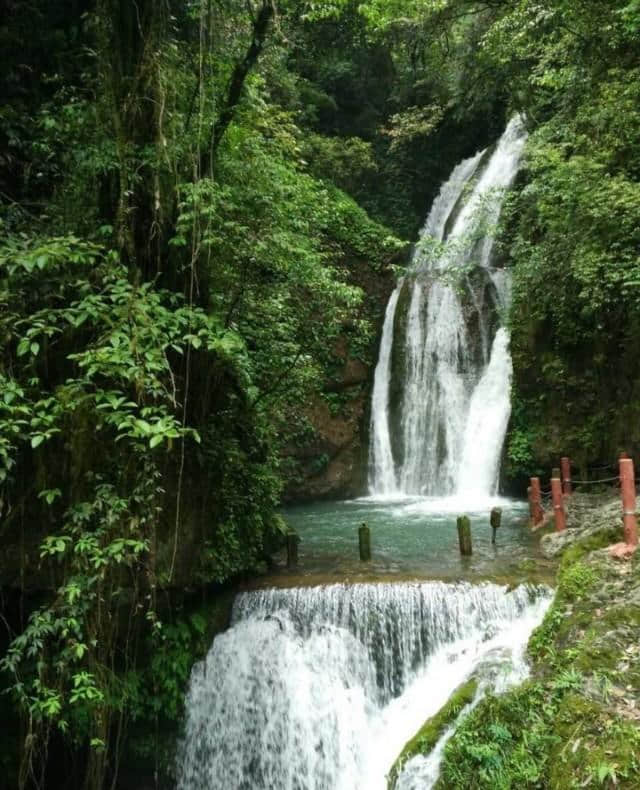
pixel 133 37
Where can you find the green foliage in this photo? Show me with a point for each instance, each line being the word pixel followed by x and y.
pixel 487 744
pixel 521 440
pixel 345 162
pixel 60 663
pixel 382 107
pixel 174 280
pixel 61 289
pixel 530 736
pixel 155 689
pixel 576 580
pixel 183 260
pixel 413 122
pixel 247 528
pixel 519 452
pixel 573 236
pixel 158 691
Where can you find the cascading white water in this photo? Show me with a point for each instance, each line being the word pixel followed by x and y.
pixel 498 670
pixel 487 421
pixel 452 384
pixel 382 474
pixel 381 457
pixel 319 688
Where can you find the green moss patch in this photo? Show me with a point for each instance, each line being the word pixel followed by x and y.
pixel 597 540
pixel 433 728
pixel 593 747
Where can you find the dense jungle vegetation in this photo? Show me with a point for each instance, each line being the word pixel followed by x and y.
pixel 194 196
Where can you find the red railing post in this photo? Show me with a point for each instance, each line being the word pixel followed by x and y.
pixel 565 463
pixel 558 502
pixel 537 513
pixel 628 495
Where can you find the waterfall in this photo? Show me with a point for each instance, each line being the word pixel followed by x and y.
pixel 450 422
pixel 487 421
pixel 381 468
pixel 319 688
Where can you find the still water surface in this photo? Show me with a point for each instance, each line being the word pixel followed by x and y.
pixel 413 536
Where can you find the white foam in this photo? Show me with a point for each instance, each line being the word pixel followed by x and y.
pixel 319 688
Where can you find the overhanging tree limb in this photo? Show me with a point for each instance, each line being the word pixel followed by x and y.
pixel 238 78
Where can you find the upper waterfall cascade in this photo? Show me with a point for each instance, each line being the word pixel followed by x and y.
pixel 319 688
pixel 444 435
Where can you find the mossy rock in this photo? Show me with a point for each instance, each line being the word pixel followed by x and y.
pixel 398 369
pixel 589 548
pixel 488 750
pixel 464 196
pixel 431 731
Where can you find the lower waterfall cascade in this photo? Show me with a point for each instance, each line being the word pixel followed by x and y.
pixel 447 345
pixel 319 688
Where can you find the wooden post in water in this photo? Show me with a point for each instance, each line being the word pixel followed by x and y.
pixel 364 542
pixel 628 494
pixel 536 499
pixel 558 502
pixel 292 548
pixel 495 519
pixel 565 463
pixel 464 536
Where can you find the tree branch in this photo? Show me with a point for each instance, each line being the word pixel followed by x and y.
pixel 236 84
pixel 279 380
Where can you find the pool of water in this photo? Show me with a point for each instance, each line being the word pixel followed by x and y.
pixel 412 537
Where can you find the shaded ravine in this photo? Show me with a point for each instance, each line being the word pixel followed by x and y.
pixel 319 688
pixel 455 363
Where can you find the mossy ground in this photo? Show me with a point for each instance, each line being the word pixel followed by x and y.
pixel 576 722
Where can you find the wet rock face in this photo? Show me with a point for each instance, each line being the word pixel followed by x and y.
pixel 398 372
pixel 587 517
pixel 332 462
pixel 479 303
